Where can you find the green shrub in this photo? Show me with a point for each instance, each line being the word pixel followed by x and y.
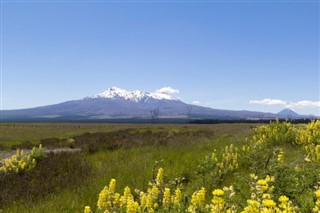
pixel 309 134
pixel 275 133
pixel 71 142
pixel 20 162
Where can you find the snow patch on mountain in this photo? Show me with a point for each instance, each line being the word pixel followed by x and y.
pixel 165 93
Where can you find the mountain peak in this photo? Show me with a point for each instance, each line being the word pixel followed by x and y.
pixel 137 95
pixel 288 113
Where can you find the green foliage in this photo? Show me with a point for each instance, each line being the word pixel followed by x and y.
pixel 71 142
pixel 215 166
pixel 20 162
pixel 275 133
pixel 309 134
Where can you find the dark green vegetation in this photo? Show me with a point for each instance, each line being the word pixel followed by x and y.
pixel 52 174
pixel 16 133
pixel 67 182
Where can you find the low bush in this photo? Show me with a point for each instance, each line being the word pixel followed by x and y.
pixel 20 162
pixel 52 173
pixel 275 133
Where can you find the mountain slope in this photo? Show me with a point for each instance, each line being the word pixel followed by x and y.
pixel 119 103
pixel 288 113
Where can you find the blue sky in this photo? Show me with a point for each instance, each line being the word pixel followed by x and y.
pixel 253 55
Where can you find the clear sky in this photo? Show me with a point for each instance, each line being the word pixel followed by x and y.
pixel 253 55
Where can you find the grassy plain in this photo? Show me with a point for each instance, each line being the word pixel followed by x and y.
pixel 178 148
pixel 14 133
pixel 131 153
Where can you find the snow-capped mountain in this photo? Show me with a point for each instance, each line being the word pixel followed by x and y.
pixel 116 103
pixel 135 95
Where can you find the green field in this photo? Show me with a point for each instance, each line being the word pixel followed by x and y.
pixel 132 154
pixel 11 133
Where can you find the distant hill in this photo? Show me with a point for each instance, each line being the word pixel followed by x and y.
pixel 288 113
pixel 116 103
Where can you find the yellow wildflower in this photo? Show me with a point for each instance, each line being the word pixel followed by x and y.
pixel 177 197
pixel 166 198
pixel 268 203
pixel 149 201
pixel 266 196
pixel 283 199
pixel 143 199
pixel 87 209
pixel 262 182
pixel 198 198
pixel 159 180
pixel 132 206
pixel 103 199
pixel 112 186
pixel 218 192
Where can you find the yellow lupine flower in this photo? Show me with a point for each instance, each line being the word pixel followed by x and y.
pixel 253 207
pixel 266 196
pixel 177 197
pixel 155 192
pixel 283 199
pixel 268 203
pixel 316 208
pixel 143 199
pixel 103 199
pixel 218 192
pixel 219 201
pixel 112 186
pixel 132 206
pixel 87 209
pixel 149 202
pixel 116 199
pixel 159 180
pixel 166 199
pixel 191 208
pixel 262 182
pixel 198 198
pixel 267 210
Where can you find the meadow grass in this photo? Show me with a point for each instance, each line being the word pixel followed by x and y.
pixel 15 133
pixel 132 156
pixel 134 166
